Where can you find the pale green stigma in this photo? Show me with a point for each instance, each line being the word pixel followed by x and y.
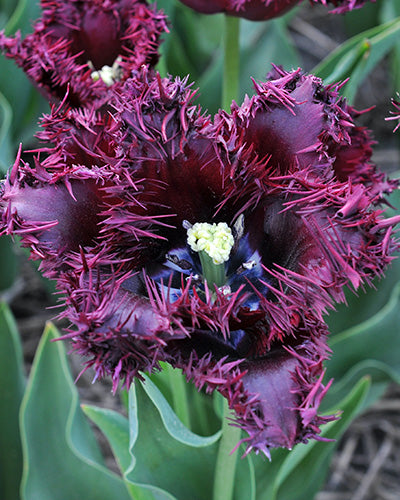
pixel 109 74
pixel 214 243
pixel 216 240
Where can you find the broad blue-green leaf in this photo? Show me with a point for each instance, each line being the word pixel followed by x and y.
pixel 304 470
pixel 300 473
pixel 376 341
pixel 23 16
pixel 61 456
pixel 365 304
pixel 357 57
pixel 168 456
pixel 202 418
pixel 115 428
pixel 11 389
pixel 23 99
pixel 5 143
pixel 171 423
pixel 389 10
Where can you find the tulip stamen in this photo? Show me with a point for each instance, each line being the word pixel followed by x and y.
pixel 214 243
pixel 109 74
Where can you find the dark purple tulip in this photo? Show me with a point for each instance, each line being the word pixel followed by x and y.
pixel 216 246
pixel 86 46
pixel 261 10
pixel 255 10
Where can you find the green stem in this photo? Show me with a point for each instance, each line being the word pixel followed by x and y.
pixel 213 273
pixel 230 85
pixel 179 396
pixel 224 479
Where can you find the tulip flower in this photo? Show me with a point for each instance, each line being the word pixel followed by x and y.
pixel 86 47
pixel 214 245
pixel 261 10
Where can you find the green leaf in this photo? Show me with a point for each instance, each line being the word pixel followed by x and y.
pixel 365 304
pixel 166 454
pixel 300 473
pixel 370 347
pixel 194 47
pixel 7 7
pixel 23 16
pixel 389 10
pixel 361 307
pixel 379 373
pixel 17 92
pixel 357 57
pixel 26 104
pixel 11 389
pixel 202 416
pixel 376 338
pixel 119 434
pixel 115 428
pixel 304 470
pixel 5 124
pixel 61 455
pixel 172 424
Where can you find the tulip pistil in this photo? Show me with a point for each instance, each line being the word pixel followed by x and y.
pixel 109 74
pixel 213 242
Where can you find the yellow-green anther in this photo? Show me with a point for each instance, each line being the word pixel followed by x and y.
pixel 216 240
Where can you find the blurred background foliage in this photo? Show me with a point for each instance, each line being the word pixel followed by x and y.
pixel 51 440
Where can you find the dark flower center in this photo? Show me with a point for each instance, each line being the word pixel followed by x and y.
pixel 213 257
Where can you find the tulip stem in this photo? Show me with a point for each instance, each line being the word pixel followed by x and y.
pixel 224 479
pixel 213 273
pixel 230 84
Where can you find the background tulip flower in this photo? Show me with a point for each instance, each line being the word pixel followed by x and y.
pixel 214 246
pixel 86 46
pixel 395 115
pixel 261 10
